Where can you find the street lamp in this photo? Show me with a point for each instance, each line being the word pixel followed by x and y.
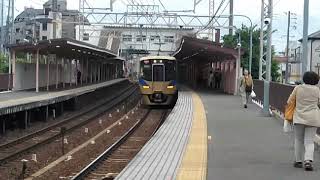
pixel 251 29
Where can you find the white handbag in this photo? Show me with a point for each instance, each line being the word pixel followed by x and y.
pixel 287 126
pixel 253 94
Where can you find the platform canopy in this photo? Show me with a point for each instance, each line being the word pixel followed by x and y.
pixel 193 48
pixel 64 47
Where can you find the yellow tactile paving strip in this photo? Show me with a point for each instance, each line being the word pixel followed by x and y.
pixel 194 162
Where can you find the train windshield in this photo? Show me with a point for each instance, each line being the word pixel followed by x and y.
pixel 170 70
pixel 157 70
pixel 146 70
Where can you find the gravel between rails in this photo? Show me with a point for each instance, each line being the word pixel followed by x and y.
pixel 80 159
pixel 118 160
pixel 52 151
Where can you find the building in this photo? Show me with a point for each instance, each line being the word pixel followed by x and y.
pixel 53 21
pixel 134 42
pixel 313 61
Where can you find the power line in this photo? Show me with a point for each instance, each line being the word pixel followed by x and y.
pixel 212 18
pixel 225 8
pixel 162 5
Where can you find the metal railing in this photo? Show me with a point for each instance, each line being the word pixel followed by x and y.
pixel 279 94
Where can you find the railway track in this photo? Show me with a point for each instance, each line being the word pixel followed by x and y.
pixel 46 135
pixel 114 159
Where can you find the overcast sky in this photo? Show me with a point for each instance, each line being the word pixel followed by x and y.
pixel 250 8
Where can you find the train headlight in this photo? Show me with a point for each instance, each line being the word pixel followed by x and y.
pixel 145 87
pixel 170 87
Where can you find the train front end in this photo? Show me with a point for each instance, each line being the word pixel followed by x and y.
pixel 158 81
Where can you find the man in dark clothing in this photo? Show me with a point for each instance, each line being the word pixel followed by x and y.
pixel 217 79
pixel 79 76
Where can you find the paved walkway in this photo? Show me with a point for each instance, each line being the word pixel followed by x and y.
pixel 17 101
pixel 161 156
pixel 247 146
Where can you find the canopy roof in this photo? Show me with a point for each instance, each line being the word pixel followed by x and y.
pixel 193 48
pixel 64 47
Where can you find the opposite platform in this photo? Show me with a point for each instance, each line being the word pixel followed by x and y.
pixel 19 101
pixel 170 153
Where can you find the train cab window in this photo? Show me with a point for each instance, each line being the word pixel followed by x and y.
pixel 145 70
pixel 170 70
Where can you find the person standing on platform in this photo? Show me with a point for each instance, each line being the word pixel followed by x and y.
pixel 246 86
pixel 210 79
pixel 78 76
pixel 306 119
pixel 217 79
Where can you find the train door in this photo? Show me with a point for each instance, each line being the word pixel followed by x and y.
pixel 158 72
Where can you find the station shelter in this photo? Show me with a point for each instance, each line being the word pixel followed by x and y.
pixel 61 63
pixel 197 57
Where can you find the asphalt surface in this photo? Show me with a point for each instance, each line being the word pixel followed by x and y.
pixel 245 145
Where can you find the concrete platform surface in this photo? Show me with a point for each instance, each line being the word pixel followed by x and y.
pixel 12 102
pixel 161 156
pixel 247 146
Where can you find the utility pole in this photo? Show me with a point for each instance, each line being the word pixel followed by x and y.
pixel 12 21
pixel 2 27
pixel 261 59
pixel 231 17
pixel 211 14
pixel 266 20
pixel 305 37
pixel 287 50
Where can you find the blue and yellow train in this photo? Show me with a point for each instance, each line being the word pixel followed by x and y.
pixel 157 80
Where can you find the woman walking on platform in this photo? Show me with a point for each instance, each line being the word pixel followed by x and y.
pixel 246 85
pixel 306 119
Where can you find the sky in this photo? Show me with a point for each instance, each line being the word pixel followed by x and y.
pixel 249 8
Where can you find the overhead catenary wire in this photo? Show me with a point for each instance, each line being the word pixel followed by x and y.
pixel 162 5
pixel 212 18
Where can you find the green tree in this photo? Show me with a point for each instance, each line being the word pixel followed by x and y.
pixel 231 41
pixel 3 64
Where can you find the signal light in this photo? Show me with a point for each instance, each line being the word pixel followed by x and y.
pixel 145 87
pixel 170 87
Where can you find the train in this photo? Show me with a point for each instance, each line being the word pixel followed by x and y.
pixel 157 80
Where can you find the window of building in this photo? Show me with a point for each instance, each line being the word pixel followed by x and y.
pixel 85 36
pixel 44 26
pixel 141 38
pixel 46 11
pixel 44 38
pixel 154 38
pixel 17 30
pixel 127 38
pixel 17 41
pixel 169 39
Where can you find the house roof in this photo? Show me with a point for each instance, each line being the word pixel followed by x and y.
pixel 28 13
pixel 313 36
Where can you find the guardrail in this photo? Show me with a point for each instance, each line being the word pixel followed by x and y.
pixel 279 94
pixel 4 81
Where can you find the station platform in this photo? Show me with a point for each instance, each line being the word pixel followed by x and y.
pixel 178 148
pixel 209 135
pixel 13 102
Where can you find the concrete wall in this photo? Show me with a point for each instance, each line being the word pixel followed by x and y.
pixel 26 75
pixel 68 28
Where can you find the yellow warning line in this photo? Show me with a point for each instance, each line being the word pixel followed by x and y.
pixel 194 162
